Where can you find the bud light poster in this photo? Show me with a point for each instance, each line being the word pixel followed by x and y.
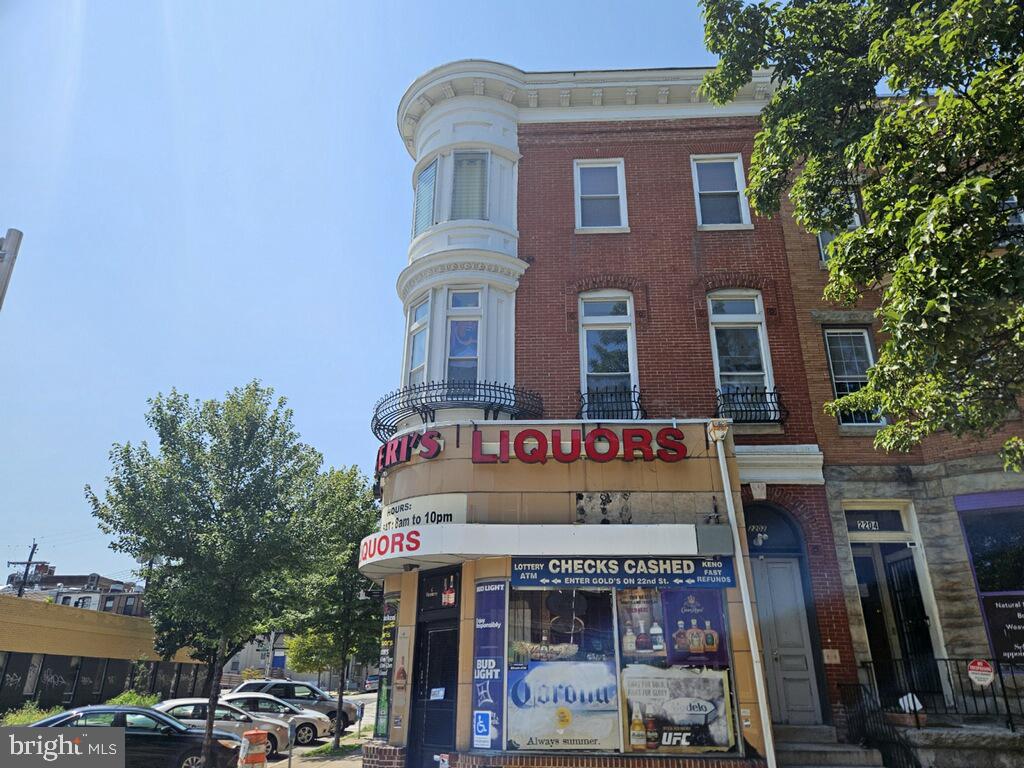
pixel 695 627
pixel 488 664
pixel 677 710
pixel 563 705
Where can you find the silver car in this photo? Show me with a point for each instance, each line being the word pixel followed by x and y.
pixel 300 694
pixel 228 717
pixel 309 724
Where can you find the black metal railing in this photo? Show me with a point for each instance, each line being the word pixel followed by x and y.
pixel 867 725
pixel 750 405
pixel 424 400
pixel 944 688
pixel 611 403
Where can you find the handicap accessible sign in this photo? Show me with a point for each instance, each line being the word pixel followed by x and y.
pixel 481 729
pixel 623 572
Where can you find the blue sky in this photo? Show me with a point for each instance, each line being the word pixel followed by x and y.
pixel 212 192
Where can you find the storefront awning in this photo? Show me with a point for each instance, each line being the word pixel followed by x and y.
pixel 432 546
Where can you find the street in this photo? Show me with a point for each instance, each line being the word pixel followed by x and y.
pixel 364 727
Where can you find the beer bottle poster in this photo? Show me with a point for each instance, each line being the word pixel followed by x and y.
pixel 488 664
pixel 695 631
pixel 680 710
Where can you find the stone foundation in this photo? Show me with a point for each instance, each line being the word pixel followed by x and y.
pixel 967 747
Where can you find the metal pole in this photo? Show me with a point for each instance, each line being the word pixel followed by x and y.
pixel 8 254
pixel 717 431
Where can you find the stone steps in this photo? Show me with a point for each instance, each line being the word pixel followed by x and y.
pixel 817 754
pixel 824 734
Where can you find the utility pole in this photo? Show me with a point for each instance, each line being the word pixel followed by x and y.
pixel 26 563
pixel 8 253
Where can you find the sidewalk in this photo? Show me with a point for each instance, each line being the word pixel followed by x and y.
pixel 354 760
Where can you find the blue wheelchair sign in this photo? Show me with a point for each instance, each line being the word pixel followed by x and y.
pixel 482 729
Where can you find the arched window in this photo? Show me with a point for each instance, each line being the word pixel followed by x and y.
pixel 608 369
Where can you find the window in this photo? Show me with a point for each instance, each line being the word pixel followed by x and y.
pixel 96 719
pixel 267 705
pixel 65 601
pixel 463 336
pixel 129 606
pixel 469 186
pixel 185 712
pixel 424 215
pixel 235 666
pixel 824 238
pixel 281 691
pixel 108 604
pixel 304 692
pixel 600 195
pixel 142 722
pixel 229 714
pixel 849 357
pixel 608 355
pixel 738 344
pixel 419 318
pixel 718 184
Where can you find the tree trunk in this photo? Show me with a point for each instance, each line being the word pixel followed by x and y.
pixel 211 702
pixel 339 715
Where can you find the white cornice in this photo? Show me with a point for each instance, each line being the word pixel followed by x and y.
pixel 780 464
pixel 454 266
pixel 629 94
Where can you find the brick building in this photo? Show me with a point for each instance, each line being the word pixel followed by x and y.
pixel 609 415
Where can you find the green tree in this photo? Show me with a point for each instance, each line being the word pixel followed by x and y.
pixel 337 621
pixel 225 505
pixel 915 108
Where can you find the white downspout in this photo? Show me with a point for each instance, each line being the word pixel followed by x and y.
pixel 717 430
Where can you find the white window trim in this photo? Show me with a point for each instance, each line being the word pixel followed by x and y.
pixel 756 320
pixel 607 323
pixel 410 328
pixel 855 223
pixel 613 162
pixel 868 426
pixel 434 217
pixel 465 313
pixel 487 182
pixel 741 189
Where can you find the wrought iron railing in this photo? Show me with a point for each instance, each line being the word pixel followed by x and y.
pixel 868 726
pixel 424 400
pixel 611 403
pixel 751 405
pixel 943 687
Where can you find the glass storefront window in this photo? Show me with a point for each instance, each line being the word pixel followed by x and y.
pixel 560 625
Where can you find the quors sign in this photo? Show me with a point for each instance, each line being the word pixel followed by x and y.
pixel 531 445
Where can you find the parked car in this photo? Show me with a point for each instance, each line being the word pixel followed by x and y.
pixel 228 717
pixel 310 725
pixel 305 695
pixel 372 683
pixel 152 739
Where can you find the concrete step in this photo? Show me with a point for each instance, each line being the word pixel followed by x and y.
pixel 791 754
pixel 818 734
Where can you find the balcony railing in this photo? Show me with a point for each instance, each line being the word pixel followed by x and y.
pixel 751 405
pixel 424 400
pixel 611 403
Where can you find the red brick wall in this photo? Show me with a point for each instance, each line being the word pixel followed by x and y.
pixel 663 260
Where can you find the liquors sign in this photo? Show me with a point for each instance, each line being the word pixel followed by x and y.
pixel 535 446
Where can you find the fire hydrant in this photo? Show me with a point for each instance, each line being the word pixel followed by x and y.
pixel 254 748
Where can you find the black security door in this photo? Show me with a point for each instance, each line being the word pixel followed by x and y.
pixel 912 623
pixel 435 675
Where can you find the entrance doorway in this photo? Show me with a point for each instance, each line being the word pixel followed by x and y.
pixel 435 670
pixel 788 630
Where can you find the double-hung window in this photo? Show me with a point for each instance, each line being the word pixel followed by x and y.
pixel 719 188
pixel 419 321
pixel 849 358
pixel 600 195
pixel 824 238
pixel 739 348
pixel 424 209
pixel 469 186
pixel 463 359
pixel 608 355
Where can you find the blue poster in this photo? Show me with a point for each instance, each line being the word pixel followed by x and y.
pixel 488 664
pixel 623 572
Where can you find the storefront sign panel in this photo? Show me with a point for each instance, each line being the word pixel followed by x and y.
pixel 489 664
pixel 623 572
pixel 1004 615
pixel 563 705
pixel 677 710
pixel 435 509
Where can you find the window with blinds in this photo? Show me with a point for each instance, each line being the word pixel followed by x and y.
pixel 469 186
pixel 423 211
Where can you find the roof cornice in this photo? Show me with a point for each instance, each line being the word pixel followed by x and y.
pixel 582 95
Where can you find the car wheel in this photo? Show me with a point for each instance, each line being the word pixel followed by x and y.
pixel 271 744
pixel 305 734
pixel 344 722
pixel 192 760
